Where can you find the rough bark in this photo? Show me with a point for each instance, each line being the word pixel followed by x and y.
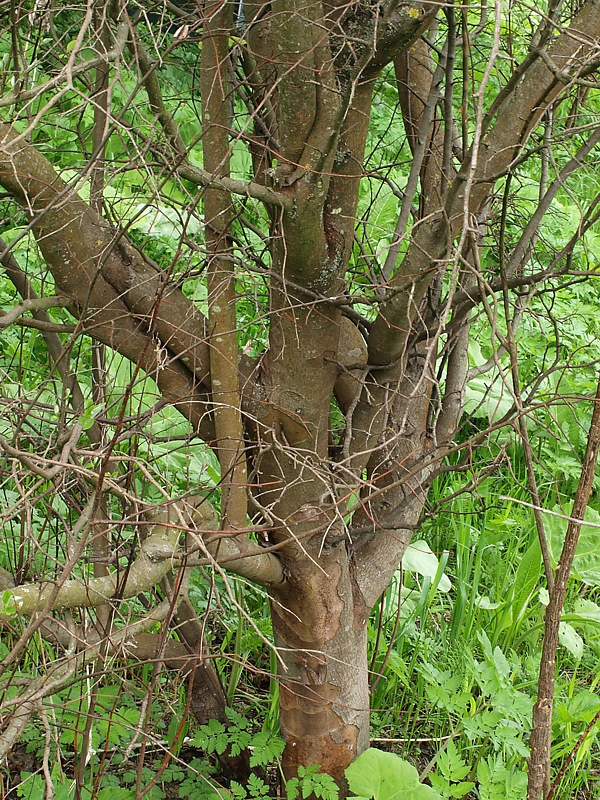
pixel 324 694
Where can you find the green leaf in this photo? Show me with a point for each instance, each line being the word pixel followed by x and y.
pixel 238 740
pixel 87 418
pixel 526 580
pixel 461 789
pixel 257 788
pixel 311 781
pixel 420 558
pixel 212 737
pixel 176 733
pixel 116 793
pixel 483 601
pixel 266 748
pixel 582 707
pixel 66 790
pixel 586 564
pixel 450 764
pixel 502 666
pixel 86 422
pixel 570 640
pixel 319 784
pixel 8 607
pixel 238 720
pixel 292 788
pixel 32 787
pixel 386 776
pixel 487 397
pixel 585 617
pixel 237 790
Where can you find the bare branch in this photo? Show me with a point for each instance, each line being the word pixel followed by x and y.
pixel 32 304
pixel 265 194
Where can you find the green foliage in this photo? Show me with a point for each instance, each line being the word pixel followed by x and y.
pixel 586 564
pixel 311 781
pixel 7 607
pixel 266 749
pixel 385 776
pixel 215 737
pixel 451 770
pixel 466 663
pixel 496 782
pixel 212 737
pixel 197 785
pixel 255 789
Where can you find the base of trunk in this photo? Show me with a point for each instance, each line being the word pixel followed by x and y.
pixel 324 704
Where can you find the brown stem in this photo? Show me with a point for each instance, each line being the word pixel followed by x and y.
pixel 220 273
pixel 100 541
pixel 100 524
pixel 522 423
pixel 539 760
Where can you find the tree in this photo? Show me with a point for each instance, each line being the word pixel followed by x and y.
pixel 330 427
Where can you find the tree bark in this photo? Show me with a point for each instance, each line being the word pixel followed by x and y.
pixel 324 686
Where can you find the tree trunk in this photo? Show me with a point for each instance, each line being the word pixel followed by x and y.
pixel 324 686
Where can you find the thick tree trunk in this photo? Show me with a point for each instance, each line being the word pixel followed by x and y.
pixel 324 686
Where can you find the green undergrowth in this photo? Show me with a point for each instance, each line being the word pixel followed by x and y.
pixel 459 675
pixel 454 647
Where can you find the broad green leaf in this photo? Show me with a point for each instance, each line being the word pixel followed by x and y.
pixel 483 601
pixel 585 617
pixel 487 397
pixel 586 611
pixel 420 558
pixel 116 793
pixel 386 776
pixel 582 707
pixel 586 564
pixel 570 640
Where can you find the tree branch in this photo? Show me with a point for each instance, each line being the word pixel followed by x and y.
pixel 265 194
pixel 108 280
pixel 402 25
pixel 222 323
pixel 153 562
pixel 31 304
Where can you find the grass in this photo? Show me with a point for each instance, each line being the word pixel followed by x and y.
pixel 462 667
